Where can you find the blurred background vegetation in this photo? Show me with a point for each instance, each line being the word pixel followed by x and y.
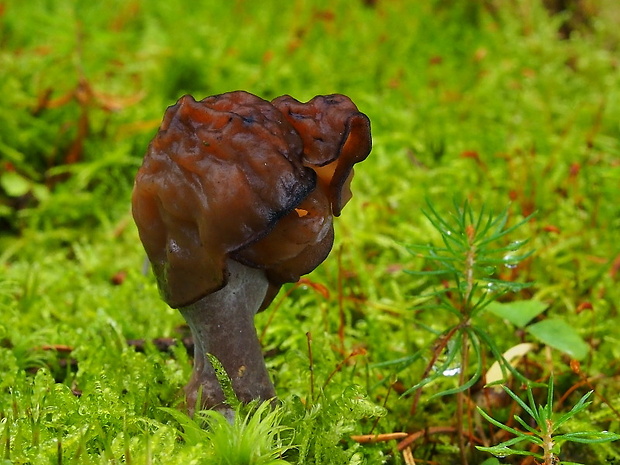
pixel 495 101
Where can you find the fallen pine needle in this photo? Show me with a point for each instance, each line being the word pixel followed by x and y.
pixel 411 438
pixel 408 456
pixel 370 438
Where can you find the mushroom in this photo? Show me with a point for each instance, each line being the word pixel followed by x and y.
pixel 235 197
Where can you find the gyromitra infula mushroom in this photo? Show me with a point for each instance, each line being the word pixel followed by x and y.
pixel 236 196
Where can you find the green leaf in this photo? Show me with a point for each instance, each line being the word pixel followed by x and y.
pixel 525 425
pixel 192 433
pixel 501 451
pixel 491 461
pixel 523 405
pixel 518 312
pixel 439 372
pixel 14 184
pixel 500 424
pixel 560 335
pixel 505 365
pixel 588 437
pixel 475 377
pixel 578 407
pixel 225 381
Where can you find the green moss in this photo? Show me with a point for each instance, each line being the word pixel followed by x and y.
pixel 491 105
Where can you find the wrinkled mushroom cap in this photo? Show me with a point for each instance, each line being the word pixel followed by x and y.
pixel 216 177
pixel 335 136
pixel 236 176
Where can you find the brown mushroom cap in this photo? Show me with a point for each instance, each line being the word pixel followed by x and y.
pixel 236 176
pixel 335 136
pixel 217 176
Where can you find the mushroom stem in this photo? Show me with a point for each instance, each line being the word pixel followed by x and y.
pixel 222 324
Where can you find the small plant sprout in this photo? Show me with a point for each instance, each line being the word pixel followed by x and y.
pixel 473 249
pixel 545 434
pixel 254 436
pixel 475 245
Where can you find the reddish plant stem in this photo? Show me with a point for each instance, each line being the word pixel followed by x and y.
pixel 310 366
pixel 460 401
pixel 436 352
pixel 430 431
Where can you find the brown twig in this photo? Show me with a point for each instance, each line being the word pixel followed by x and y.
pixel 373 438
pixel 460 400
pixel 443 343
pixel 408 456
pixel 354 353
pixel 433 430
pixel 310 365
pixel 342 318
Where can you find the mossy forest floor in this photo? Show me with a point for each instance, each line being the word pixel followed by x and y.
pixel 498 103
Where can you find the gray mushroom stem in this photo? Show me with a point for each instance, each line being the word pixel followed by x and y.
pixel 222 324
